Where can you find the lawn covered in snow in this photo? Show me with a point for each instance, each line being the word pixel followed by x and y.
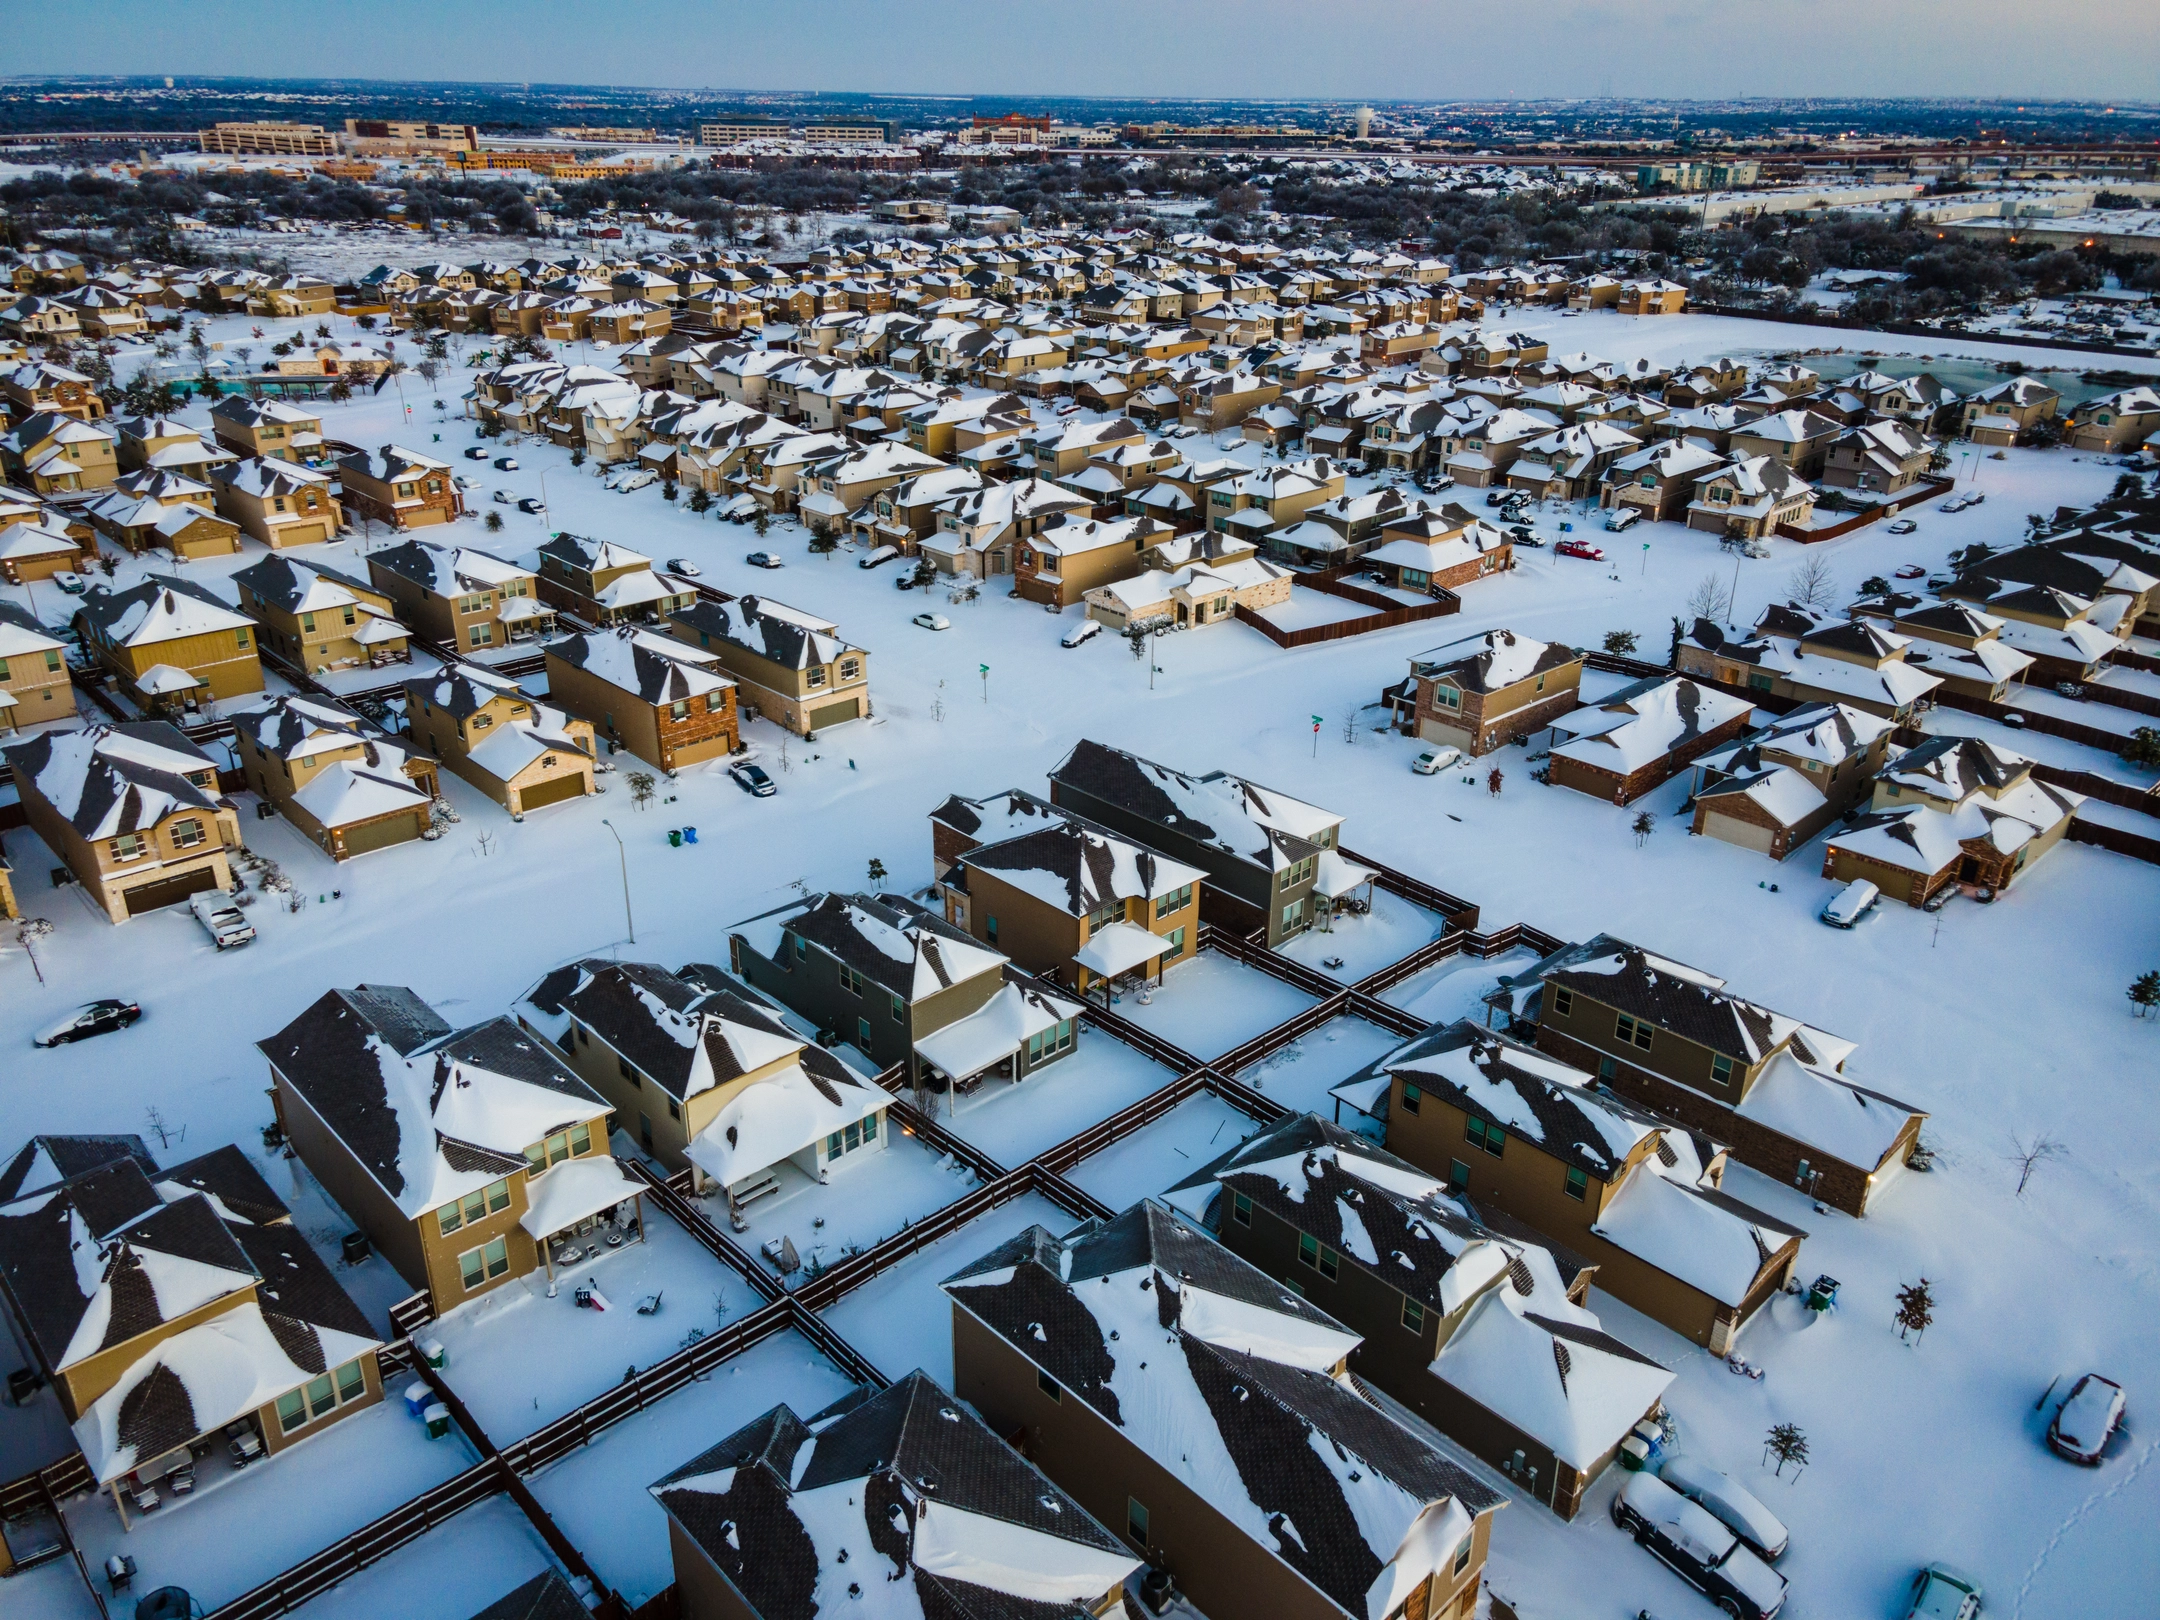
pixel 870 1197
pixel 1013 1123
pixel 1298 1076
pixel 1208 1003
pixel 1163 1152
pixel 1365 944
pixel 456 1569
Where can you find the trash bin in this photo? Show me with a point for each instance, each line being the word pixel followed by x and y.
pixel 418 1398
pixel 433 1353
pixel 1634 1454
pixel 438 1420
pixel 689 835
pixel 1822 1293
pixel 674 838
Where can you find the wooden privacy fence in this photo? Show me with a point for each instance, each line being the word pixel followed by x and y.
pixel 1925 490
pixel 1387 618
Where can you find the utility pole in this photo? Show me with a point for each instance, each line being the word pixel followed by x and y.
pixel 624 858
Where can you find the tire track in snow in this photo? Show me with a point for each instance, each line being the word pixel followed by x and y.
pixel 2078 1515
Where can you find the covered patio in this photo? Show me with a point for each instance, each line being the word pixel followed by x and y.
pixel 582 1210
pixel 1117 950
pixel 1011 1035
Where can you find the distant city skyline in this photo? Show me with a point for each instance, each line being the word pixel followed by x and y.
pixel 1382 50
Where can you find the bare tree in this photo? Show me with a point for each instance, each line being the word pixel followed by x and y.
pixel 1711 599
pixel 1642 826
pixel 1810 585
pixel 2029 1153
pixel 1786 1443
pixel 1915 1310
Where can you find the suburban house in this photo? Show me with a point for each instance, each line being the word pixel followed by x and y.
pixel 184 1322
pixel 952 1521
pixel 1653 297
pixel 714 1081
pixel 34 548
pixel 607 584
pixel 1749 497
pixel 461 598
pixel 1791 653
pixel 1271 861
pixel 790 667
pixel 1954 810
pixel 52 453
pixel 317 618
pixel 1659 479
pixel 1570 463
pixel 976 531
pixel 266 428
pixel 169 643
pixel 2115 422
pixel 1458 1317
pixel 1635 1194
pixel 1672 1038
pixel 469 1156
pixel 400 487
pixel 484 727
pixel 1061 896
pixel 1961 647
pixel 1061 562
pixel 1797 440
pixel 1642 735
pixel 1877 458
pixel 347 784
pixel 133 810
pixel 657 696
pixel 34 684
pixel 2010 412
pixel 168 509
pixel 47 385
pixel 905 987
pixel 1206 581
pixel 1484 691
pixel 1314 1503
pixel 278 503
pixel 1438 548
pixel 1780 785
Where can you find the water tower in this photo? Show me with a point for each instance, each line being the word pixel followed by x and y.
pixel 1364 123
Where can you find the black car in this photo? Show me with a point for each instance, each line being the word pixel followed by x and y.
pixel 477 453
pixel 752 780
pixel 1699 1548
pixel 531 503
pixel 91 1018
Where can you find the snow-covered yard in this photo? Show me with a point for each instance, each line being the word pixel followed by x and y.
pixel 597 1494
pixel 1455 987
pixel 1365 944
pixel 1163 1152
pixel 868 1200
pixel 456 1569
pixel 1210 1003
pixel 1298 1076
pixel 519 1359
pixel 1306 608
pixel 901 1320
pixel 1013 1123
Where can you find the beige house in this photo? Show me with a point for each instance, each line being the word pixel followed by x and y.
pixel 134 811
pixel 789 667
pixel 318 618
pixel 460 597
pixel 483 727
pixel 50 453
pixel 168 510
pixel 266 427
pixel 47 385
pixel 279 503
pixel 607 584
pixel 34 684
pixel 342 780
pixel 171 644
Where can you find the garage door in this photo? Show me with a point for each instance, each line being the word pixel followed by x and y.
pixel 1744 833
pixel 552 791
pixel 833 713
pixel 303 534
pixel 167 891
pixel 382 834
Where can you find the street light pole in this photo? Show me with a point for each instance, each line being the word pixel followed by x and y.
pixel 624 858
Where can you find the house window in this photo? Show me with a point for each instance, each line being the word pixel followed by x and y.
pixel 187 834
pixel 1458 1176
pixel 862 1033
pixel 1165 904
pixel 622 1067
pixel 715 702
pixel 1633 1032
pixel 679 710
pixel 1462 1557
pixel 899 1010
pixel 817 676
pixel 1447 697
pixel 1413 1316
pixel 674 1109
pixel 341 1385
pixel 1312 1252
pixel 1135 1521
pixel 307 623
pixel 479 635
pixel 1241 1209
pixel 1411 1097
pixel 1049 1386
pixel 1563 1002
pixel 1173 944
pixel 802 948
pixel 1290 913
pixel 477 1266
pixel 1578 1184
pixel 1492 1138
pixel 581 1141
pixel 850 980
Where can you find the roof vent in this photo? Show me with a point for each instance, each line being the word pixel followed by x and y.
pixel 1519 1276
pixel 1561 1360
pixel 1052 1503
pixel 948 1414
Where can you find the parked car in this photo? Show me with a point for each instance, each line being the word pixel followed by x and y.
pixel 1911 571
pixel 1943 1593
pixel 73 584
pixel 1730 1503
pixel 752 780
pixel 1903 526
pixel 1579 548
pixel 1622 518
pixel 1435 760
pixel 932 621
pixel 1523 535
pixel 477 452
pixel 91 1018
pixel 1085 630
pixel 1696 1547
pixel 504 498
pixel 506 464
pixel 684 566
pixel 2087 1419
pixel 1851 903
pixel 224 921
pixel 635 481
pixel 762 559
pixel 532 503
pixel 883 554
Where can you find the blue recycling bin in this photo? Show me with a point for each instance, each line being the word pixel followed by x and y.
pixel 689 835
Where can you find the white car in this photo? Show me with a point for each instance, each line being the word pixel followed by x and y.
pixel 636 480
pixel 1902 526
pixel 932 621
pixel 1435 760
pixel 1851 903
pixel 1085 630
pixel 1730 1502
pixel 684 566
pixel 883 554
pixel 225 922
pixel 1622 518
pixel 1698 1548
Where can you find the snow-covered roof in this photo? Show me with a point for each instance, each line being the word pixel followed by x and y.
pixel 1492 660
pixel 996 1030
pixel 1784 794
pixel 1071 863
pixel 110 779
pixel 1711 1242
pixel 1230 814
pixel 893 1505
pixel 888 940
pixel 1826 1111
pixel 1642 723
pixel 1692 1004
pixel 568 1192
pixel 344 794
pixel 657 669
pixel 1248 1407
pixel 158 610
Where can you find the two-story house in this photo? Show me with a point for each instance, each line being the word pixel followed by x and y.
pixel 278 502
pixel 484 727
pixel 790 667
pixel 317 618
pixel 171 510
pixel 663 699
pixel 469 1156
pixel 1792 653
pixel 348 785
pixel 1877 458
pixel 1749 497
pixel 608 584
pixel 1484 691
pixel 170 643
pixel 34 684
pixel 268 429
pixel 1438 548
pixel 459 597
pixel 133 810
pixel 400 487
pixel 1644 734
pixel 53 453
pixel 1780 785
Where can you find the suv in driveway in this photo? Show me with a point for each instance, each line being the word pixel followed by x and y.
pixel 1699 1549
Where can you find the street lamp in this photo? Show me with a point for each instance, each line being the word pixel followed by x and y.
pixel 624 858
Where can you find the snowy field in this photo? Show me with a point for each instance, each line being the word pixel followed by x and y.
pixel 1298 1076
pixel 1014 1123
pixel 867 1201
pixel 2006 1022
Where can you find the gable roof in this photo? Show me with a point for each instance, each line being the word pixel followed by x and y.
pixel 112 779
pixel 908 950
pixel 1255 824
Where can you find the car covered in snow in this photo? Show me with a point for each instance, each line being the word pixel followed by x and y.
pixel 762 559
pixel 752 780
pixel 1622 518
pixel 1943 1593
pixel 91 1018
pixel 1579 548
pixel 221 918
pixel 503 497
pixel 634 481
pixel 506 464
pixel 1851 903
pixel 1698 1548
pixel 931 621
pixel 1085 630
pixel 1730 1503
pixel 477 452
pixel 1911 571
pixel 879 557
pixel 1435 760
pixel 532 503
pixel 1903 526
pixel 684 566
pixel 2087 1420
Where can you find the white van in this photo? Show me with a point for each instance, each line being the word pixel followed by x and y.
pixel 225 922
pixel 1851 903
pixel 1730 1502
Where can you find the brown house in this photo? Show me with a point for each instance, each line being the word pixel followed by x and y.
pixel 171 644
pixel 469 1157
pixel 1061 1344
pixel 402 488
pixel 133 810
pixel 607 584
pixel 279 503
pixel 460 597
pixel 347 784
pixel 1642 735
pixel 169 510
pixel 483 727
pixel 657 696
pixel 1778 787
pixel 1484 691
pixel 790 667
pixel 318 618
